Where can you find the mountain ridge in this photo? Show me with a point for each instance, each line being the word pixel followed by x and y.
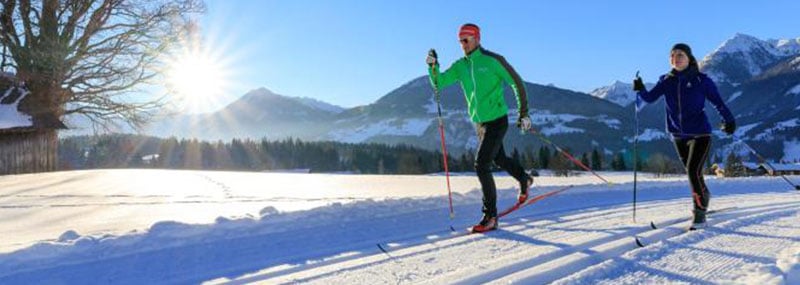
pixel 601 120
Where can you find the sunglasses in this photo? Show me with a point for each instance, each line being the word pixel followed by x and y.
pixel 464 40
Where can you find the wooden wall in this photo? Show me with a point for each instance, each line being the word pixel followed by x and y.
pixel 28 151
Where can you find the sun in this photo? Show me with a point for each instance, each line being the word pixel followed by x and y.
pixel 197 79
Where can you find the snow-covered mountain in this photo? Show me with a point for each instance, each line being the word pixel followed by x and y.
pixel 619 93
pixel 743 57
pixel 259 113
pixel 408 115
pixel 320 105
pixel 789 46
pixel 766 103
pixel 765 99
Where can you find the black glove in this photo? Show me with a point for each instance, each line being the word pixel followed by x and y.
pixel 432 58
pixel 728 127
pixel 638 85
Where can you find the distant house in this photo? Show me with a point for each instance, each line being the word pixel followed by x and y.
pixel 750 169
pixel 776 169
pixel 150 159
pixel 25 146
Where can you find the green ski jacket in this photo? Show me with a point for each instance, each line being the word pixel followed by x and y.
pixel 481 74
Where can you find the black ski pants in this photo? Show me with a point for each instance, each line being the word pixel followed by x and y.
pixel 490 149
pixel 693 153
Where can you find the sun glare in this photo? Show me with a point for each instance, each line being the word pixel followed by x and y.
pixel 197 80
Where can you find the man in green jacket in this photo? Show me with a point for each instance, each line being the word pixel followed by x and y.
pixel 482 74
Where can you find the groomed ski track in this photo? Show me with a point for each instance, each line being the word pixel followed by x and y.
pixel 590 245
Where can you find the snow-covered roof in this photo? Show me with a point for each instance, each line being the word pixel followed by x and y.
pixel 12 92
pixel 10 96
pixel 781 167
pixel 748 165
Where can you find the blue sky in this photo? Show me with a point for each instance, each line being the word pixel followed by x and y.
pixel 350 53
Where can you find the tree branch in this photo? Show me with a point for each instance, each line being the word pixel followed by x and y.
pixel 93 54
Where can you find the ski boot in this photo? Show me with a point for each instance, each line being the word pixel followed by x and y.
pixel 486 224
pixel 699 221
pixel 523 189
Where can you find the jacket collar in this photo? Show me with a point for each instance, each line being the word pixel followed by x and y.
pixel 474 53
pixel 689 72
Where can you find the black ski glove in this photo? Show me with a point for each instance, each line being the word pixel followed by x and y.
pixel 432 58
pixel 638 85
pixel 728 127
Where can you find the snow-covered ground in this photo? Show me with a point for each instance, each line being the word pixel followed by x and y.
pixel 161 226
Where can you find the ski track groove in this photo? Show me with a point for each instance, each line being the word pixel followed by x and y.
pixel 713 242
pixel 448 238
pixel 369 248
pixel 712 262
pixel 541 226
pixel 538 232
pixel 577 256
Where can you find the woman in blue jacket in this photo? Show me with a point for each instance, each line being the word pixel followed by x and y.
pixel 685 90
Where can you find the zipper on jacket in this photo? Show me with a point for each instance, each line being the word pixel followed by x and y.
pixel 680 107
pixel 474 87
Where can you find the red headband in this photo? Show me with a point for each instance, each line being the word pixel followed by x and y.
pixel 470 30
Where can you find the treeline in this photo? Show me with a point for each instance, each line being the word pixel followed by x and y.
pixel 135 151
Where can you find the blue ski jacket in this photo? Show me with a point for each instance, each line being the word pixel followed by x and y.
pixel 685 94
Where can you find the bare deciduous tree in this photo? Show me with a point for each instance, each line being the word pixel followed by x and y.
pixel 90 57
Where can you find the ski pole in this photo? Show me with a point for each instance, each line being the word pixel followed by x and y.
pixel 567 155
pixel 635 154
pixel 432 53
pixel 635 160
pixel 753 151
pixel 444 158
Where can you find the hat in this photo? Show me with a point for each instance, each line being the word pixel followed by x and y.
pixel 470 29
pixel 683 47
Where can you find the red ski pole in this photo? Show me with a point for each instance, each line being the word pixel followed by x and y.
pixel 567 155
pixel 432 53
pixel 444 158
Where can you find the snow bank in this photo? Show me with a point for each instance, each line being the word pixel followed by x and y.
pixel 789 262
pixel 370 215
